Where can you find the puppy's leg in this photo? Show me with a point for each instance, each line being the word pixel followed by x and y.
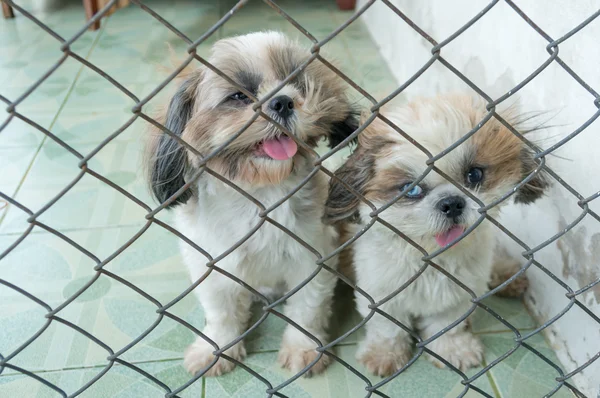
pixel 458 346
pixel 505 266
pixel 310 308
pixel 503 269
pixel 227 310
pixel 386 347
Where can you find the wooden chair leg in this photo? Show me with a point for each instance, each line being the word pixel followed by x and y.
pixel 346 5
pixel 91 8
pixel 7 11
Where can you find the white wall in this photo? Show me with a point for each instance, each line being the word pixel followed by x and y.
pixel 498 52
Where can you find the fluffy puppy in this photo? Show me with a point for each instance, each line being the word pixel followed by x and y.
pixel 433 213
pixel 205 112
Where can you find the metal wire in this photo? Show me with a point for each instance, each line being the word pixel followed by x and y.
pixel 212 261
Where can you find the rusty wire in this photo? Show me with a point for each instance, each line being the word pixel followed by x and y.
pixel 269 307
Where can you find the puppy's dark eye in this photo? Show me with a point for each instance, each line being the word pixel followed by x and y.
pixel 474 176
pixel 239 96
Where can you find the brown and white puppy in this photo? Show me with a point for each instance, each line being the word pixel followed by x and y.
pixel 434 213
pixel 207 111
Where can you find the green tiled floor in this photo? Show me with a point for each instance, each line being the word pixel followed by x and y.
pixel 82 108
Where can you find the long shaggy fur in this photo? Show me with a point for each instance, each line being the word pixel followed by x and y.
pixel 382 165
pixel 206 112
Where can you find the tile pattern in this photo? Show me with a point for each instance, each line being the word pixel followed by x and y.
pixel 83 109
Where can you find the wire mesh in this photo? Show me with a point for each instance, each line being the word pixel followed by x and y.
pixel 212 264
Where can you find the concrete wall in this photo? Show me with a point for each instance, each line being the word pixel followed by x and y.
pixel 498 52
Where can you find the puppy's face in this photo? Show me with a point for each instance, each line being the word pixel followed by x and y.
pixel 434 212
pixel 207 111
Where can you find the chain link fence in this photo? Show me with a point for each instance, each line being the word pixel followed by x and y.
pixel 564 381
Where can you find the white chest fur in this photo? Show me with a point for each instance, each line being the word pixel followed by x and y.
pixel 258 249
pixel 384 262
pixel 219 218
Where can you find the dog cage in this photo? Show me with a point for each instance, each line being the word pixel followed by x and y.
pixel 50 310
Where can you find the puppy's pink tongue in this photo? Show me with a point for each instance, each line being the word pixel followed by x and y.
pixel 446 237
pixel 280 148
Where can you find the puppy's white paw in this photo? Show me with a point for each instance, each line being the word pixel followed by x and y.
pixel 463 350
pixel 199 355
pixel 296 357
pixel 385 357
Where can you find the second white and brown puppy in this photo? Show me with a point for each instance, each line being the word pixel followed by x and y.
pixel 433 213
pixel 206 112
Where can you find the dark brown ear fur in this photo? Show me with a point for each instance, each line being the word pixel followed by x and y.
pixel 342 204
pixel 341 130
pixel 169 160
pixel 358 171
pixel 528 123
pixel 534 188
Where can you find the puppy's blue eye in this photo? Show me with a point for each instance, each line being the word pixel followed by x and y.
pixel 415 192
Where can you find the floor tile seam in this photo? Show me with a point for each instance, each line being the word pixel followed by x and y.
pixel 504 331
pixel 40 231
pixel 137 362
pixel 88 367
pixel 492 380
pixel 51 125
pixel 342 39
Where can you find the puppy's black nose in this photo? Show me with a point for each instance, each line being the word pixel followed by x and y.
pixel 452 206
pixel 283 105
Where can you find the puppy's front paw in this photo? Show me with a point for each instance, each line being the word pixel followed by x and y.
pixel 199 355
pixel 297 357
pixel 386 357
pixel 463 350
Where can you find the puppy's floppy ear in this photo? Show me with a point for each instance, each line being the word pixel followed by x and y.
pixel 341 130
pixel 534 188
pixel 342 204
pixel 169 161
